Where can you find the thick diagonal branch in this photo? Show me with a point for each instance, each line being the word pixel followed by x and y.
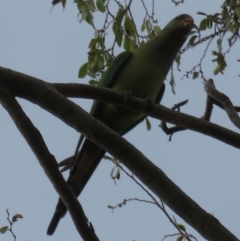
pixel 48 98
pixel 48 163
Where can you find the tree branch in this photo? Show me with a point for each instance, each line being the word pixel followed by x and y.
pixel 156 111
pixel 48 163
pixel 224 100
pixel 47 97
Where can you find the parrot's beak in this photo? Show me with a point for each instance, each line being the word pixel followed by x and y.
pixel 188 22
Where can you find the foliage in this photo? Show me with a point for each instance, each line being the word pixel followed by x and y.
pixel 122 24
pixel 223 25
pixel 11 221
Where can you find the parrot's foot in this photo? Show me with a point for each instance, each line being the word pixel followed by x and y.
pixel 127 94
pixel 147 101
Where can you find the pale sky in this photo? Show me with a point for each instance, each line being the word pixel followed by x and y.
pixel 52 47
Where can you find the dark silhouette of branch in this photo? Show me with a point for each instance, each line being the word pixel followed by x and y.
pixel 206 116
pixel 224 100
pixel 156 111
pixel 171 130
pixel 46 96
pixel 48 163
pixel 11 225
pixel 160 205
pixel 213 97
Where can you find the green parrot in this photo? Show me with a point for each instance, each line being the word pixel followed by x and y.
pixel 141 73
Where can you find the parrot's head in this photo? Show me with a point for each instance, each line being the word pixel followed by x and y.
pixel 180 26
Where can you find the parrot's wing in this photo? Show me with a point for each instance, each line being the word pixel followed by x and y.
pixel 160 94
pixel 114 69
pixel 110 76
pixel 107 81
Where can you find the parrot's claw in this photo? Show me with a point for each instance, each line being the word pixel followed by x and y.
pixel 147 101
pixel 127 94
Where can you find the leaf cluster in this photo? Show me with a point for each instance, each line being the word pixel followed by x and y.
pixel 124 30
pixel 223 26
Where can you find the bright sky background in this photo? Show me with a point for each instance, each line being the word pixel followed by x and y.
pixel 52 47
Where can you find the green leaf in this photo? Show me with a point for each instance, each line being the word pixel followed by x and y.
pixel 100 5
pixel 180 238
pixel 94 62
pixel 133 45
pixel 91 74
pixel 129 27
pixel 225 15
pixel 93 82
pixel 117 26
pixel 209 23
pixel 119 37
pixel 118 20
pixel 85 9
pixel 143 26
pixel 217 70
pixel 100 41
pixel 195 75
pixel 110 158
pixel 214 53
pixel 120 14
pixel 92 67
pixel 64 3
pixel 148 124
pixel 151 35
pixel 92 54
pixel 192 39
pixel 101 63
pixel 182 227
pixel 115 173
pixel 147 25
pixel 83 71
pixel 237 11
pixel 126 43
pixel 92 43
pixel 4 229
pixel 157 29
pixel 216 19
pixel 230 2
pixel 129 44
pixel 89 19
pixel 98 65
pixel 108 57
pixel 172 83
pixel 221 63
pixel 201 13
pixel 177 59
pixel 118 174
pixel 109 206
pixel 203 24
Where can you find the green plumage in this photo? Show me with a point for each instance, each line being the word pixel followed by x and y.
pixel 141 73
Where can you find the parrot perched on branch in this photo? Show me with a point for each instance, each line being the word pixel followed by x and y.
pixel 141 73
